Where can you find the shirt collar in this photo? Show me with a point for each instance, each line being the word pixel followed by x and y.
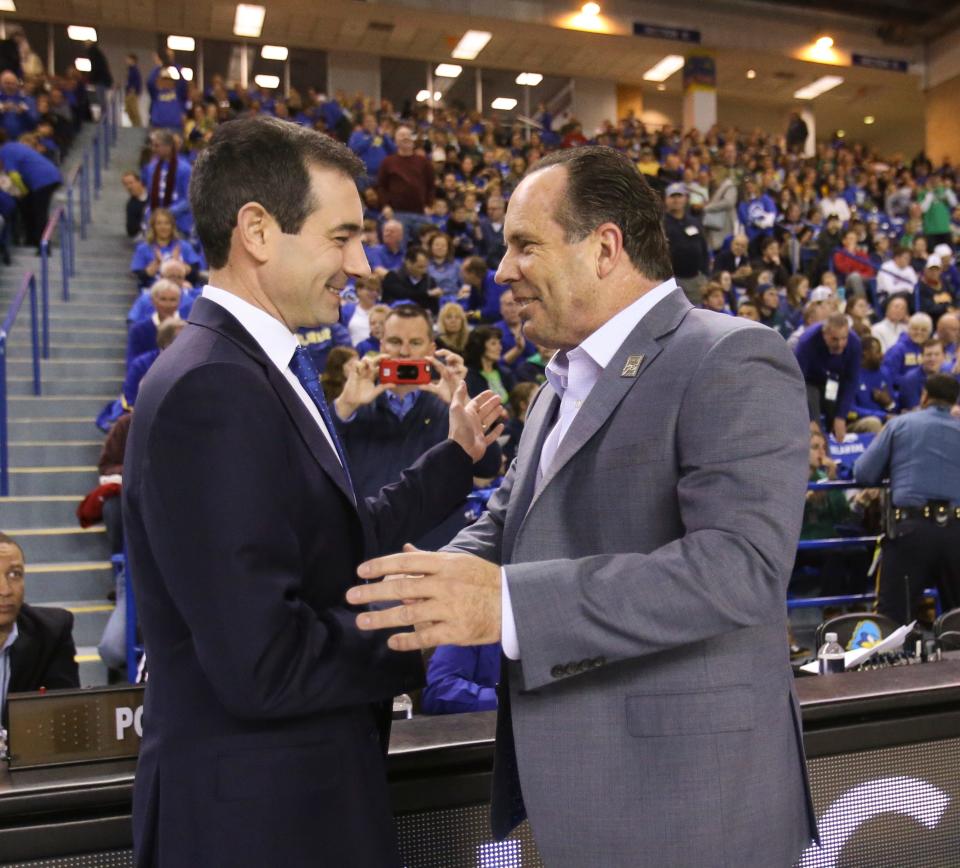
pixel 14 633
pixel 601 346
pixel 274 338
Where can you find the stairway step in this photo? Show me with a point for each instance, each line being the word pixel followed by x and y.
pixel 52 480
pixel 57 407
pixel 43 453
pixel 107 335
pixel 62 544
pixel 54 369
pixel 69 428
pixel 53 510
pixel 93 672
pixel 90 581
pixel 54 386
pixel 89 619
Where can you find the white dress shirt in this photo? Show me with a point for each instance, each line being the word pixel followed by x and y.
pixel 277 342
pixel 573 374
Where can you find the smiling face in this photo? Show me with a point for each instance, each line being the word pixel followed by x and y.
pixel 551 278
pixel 305 272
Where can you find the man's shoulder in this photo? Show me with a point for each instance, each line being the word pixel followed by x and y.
pixel 44 622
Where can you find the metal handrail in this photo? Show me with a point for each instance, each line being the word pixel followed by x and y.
pixel 29 284
pixel 66 241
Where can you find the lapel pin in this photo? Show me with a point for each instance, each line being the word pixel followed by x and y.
pixel 632 366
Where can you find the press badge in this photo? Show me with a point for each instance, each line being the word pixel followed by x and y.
pixel 691 231
pixel 831 390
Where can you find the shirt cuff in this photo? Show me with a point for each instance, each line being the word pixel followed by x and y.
pixel 508 627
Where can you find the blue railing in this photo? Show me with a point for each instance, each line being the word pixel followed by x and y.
pixel 66 245
pixel 29 285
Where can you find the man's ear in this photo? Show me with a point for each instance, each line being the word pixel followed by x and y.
pixel 255 229
pixel 610 250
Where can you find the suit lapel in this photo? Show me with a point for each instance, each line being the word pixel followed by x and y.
pixel 540 420
pixel 629 364
pixel 211 315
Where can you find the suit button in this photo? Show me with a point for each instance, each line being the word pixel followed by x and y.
pixel 597 662
pixel 558 672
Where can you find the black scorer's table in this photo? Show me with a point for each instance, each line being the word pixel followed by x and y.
pixel 883 748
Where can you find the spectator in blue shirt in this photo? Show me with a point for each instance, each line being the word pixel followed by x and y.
pixel 320 340
pixel 162 243
pixel 377 317
pixel 948 330
pixel 932 361
pixel 39 176
pixel 143 335
pixel 462 679
pixel 515 349
pixel 875 395
pixel 492 246
pixel 132 91
pixel 168 100
pixel 167 179
pixel 907 352
pixel 388 256
pixel 371 145
pixel 829 357
pixel 443 268
pixel 757 212
pixel 18 109
pixel 485 292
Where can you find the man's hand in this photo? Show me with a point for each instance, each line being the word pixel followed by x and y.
pixel 475 424
pixel 360 389
pixel 882 397
pixel 448 598
pixel 452 372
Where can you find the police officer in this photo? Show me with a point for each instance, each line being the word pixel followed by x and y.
pixel 921 453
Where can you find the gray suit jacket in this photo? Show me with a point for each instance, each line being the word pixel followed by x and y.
pixel 653 714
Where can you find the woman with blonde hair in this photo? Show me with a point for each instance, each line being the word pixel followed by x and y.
pixel 162 242
pixel 452 329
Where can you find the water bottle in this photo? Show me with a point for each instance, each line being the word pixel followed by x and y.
pixel 830 655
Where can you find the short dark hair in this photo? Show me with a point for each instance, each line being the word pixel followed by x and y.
pixel 869 341
pixel 10 541
pixel 933 342
pixel 408 310
pixel 477 342
pixel 942 388
pixel 260 159
pixel 413 253
pixel 603 186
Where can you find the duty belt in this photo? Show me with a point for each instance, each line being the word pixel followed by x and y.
pixel 940 513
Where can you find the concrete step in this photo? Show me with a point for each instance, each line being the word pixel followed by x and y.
pixel 52 510
pixel 93 673
pixel 57 407
pixel 103 335
pixel 115 349
pixel 54 386
pixel 52 480
pixel 90 581
pixel 44 453
pixel 68 544
pixel 76 428
pixel 89 619
pixel 56 369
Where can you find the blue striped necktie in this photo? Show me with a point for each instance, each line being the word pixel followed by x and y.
pixel 306 372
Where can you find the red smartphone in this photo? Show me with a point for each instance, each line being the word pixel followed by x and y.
pixel 406 372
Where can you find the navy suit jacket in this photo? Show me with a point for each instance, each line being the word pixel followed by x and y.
pixel 261 739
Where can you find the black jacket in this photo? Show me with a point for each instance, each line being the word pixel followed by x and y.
pixel 44 653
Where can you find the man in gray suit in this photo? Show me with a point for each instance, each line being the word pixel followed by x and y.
pixel 646 530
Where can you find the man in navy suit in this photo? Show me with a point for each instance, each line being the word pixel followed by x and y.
pixel 264 718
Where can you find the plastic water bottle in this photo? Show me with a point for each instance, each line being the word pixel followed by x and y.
pixel 830 655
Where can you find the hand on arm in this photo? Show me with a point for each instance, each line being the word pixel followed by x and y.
pixel 448 598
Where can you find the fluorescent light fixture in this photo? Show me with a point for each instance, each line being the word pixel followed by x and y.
pixel 751 73
pixel 181 43
pixel 471 44
pixel 423 95
pixel 274 52
pixel 249 20
pixel 504 103
pixel 173 72
pixel 824 42
pixel 591 10
pixel 869 120
pixel 448 70
pixel 187 73
pixel 82 34
pixel 83 64
pixel 529 79
pixel 7 6
pixel 270 82
pixel 820 86
pixel 664 68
